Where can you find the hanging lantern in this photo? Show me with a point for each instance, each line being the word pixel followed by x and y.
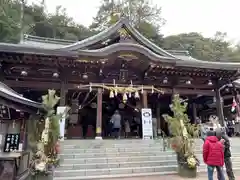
pixel 111 95
pixel 125 97
pixel 136 95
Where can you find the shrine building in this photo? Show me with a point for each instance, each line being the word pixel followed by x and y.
pixel 118 68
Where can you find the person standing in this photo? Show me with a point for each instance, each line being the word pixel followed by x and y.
pixel 227 153
pixel 116 120
pixel 213 155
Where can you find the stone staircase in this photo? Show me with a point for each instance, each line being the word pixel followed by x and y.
pixel 100 159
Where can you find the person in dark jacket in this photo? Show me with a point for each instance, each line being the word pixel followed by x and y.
pixel 227 153
pixel 116 121
pixel 213 155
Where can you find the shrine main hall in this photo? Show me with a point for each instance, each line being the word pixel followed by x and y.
pixel 118 68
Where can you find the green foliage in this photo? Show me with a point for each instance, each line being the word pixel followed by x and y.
pixel 145 16
pixel 181 128
pixel 37 22
pixel 199 47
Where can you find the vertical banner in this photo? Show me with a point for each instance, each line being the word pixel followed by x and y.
pixel 62 110
pixel 147 129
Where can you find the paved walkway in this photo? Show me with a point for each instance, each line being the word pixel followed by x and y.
pixel 173 177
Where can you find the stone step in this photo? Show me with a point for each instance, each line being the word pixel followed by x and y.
pixel 101 177
pixel 116 154
pixel 126 175
pixel 112 171
pixel 116 165
pixel 111 146
pixel 125 161
pixel 117 159
pixel 127 154
pixel 236 161
pixel 113 150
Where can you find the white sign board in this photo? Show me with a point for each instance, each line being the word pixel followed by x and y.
pixel 62 110
pixel 147 129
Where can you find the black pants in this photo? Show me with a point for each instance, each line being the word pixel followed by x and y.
pixel 84 131
pixel 116 132
pixel 228 165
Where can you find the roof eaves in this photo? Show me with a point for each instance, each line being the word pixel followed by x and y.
pixel 10 94
pixel 47 40
pixel 209 65
pixel 20 48
pixel 93 39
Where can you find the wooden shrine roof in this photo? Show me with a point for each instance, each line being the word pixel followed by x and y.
pixel 11 98
pixel 93 47
pixel 127 47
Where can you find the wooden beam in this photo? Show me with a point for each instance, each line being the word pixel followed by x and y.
pixel 74 86
pixel 32 84
pixel 193 92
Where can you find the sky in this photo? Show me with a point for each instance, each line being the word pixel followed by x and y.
pixel 182 16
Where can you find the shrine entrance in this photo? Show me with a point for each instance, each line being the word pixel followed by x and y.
pixel 92 112
pixel 129 112
pixel 82 122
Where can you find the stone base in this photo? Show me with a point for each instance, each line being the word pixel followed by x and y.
pixel 186 172
pixel 98 137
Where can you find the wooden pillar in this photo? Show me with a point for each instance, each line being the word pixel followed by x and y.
pixel 99 115
pixel 63 93
pixel 63 89
pixel 158 114
pixel 145 99
pixel 194 109
pixel 219 106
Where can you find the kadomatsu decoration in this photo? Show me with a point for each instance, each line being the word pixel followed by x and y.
pixel 183 134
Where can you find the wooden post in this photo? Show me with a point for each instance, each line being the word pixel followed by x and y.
pixel 63 87
pixel 194 109
pixel 219 106
pixel 145 99
pixel 63 92
pixel 99 115
pixel 158 114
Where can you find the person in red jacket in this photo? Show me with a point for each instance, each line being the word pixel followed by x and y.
pixel 213 155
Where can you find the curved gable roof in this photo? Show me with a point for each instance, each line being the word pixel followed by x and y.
pixel 123 22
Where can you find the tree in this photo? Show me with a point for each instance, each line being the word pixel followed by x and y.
pixel 9 20
pixel 210 49
pixel 145 16
pixel 37 22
